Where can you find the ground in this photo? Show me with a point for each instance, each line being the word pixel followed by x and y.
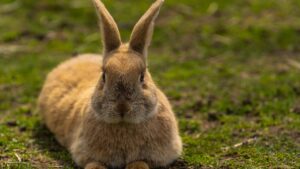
pixel 230 68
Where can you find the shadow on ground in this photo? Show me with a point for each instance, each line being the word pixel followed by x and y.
pixel 47 143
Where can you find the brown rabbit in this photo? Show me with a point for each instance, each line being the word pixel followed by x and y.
pixel 107 110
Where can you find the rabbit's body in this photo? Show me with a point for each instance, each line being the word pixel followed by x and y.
pixel 66 95
pixel 107 111
pixel 65 104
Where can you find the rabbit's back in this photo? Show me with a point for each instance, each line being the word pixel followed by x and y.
pixel 66 94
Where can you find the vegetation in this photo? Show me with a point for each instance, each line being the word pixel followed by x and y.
pixel 230 68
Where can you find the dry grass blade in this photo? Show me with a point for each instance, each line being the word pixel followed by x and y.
pixel 18 157
pixel 237 145
pixel 293 63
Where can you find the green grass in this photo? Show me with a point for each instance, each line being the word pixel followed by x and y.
pixel 230 68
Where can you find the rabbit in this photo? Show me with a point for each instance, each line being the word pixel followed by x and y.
pixel 106 109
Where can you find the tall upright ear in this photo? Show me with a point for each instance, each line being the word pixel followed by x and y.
pixel 142 32
pixel 110 33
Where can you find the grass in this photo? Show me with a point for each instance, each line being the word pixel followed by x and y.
pixel 230 68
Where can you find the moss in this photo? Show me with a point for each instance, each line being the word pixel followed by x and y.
pixel 225 65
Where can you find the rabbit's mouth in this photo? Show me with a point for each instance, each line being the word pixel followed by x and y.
pixel 139 113
pixel 125 113
pixel 122 109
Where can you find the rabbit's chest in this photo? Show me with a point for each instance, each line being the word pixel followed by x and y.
pixel 119 147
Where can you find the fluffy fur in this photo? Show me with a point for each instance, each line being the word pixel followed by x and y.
pixel 106 110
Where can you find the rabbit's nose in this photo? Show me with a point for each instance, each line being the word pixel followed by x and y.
pixel 123 92
pixel 122 109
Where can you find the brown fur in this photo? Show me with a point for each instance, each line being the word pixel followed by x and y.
pixel 137 165
pixel 102 110
pixel 95 165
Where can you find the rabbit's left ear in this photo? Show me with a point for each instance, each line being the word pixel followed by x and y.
pixel 142 32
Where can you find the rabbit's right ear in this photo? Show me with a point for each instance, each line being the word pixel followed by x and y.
pixel 110 33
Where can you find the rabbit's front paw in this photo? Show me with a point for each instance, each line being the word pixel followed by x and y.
pixel 94 165
pixel 137 165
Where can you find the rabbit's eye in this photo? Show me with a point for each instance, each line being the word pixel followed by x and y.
pixel 103 77
pixel 142 78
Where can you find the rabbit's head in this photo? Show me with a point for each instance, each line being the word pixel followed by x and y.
pixel 125 92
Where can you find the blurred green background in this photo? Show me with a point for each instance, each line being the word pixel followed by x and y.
pixel 230 68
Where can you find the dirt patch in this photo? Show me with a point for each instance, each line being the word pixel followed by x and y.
pixel 230 156
pixel 180 164
pixel 279 130
pixel 296 110
pixel 9 49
